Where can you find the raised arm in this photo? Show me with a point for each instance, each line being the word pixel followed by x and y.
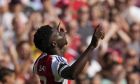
pixel 72 71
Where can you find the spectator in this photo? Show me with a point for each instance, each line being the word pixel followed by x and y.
pixel 134 34
pixel 20 29
pixel 6 20
pixel 85 28
pixel 7 76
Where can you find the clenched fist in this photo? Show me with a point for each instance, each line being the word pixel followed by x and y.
pixel 98 34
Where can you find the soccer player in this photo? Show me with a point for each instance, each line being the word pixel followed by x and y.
pixel 51 66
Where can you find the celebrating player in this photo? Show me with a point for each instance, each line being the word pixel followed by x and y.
pixel 51 66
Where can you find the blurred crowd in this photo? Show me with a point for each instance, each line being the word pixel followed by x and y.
pixel 115 61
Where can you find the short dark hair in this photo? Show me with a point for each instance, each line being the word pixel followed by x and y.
pixel 5 72
pixel 42 38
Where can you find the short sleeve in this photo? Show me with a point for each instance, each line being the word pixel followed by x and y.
pixel 58 65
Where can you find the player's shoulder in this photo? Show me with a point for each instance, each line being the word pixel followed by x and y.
pixel 58 58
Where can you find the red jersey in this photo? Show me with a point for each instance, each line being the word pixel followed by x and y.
pixel 49 68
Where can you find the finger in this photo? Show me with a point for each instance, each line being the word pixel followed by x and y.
pixel 58 26
pixel 96 29
pixel 98 26
pixel 99 32
pixel 61 27
pixel 103 35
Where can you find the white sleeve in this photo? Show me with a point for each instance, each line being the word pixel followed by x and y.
pixel 58 65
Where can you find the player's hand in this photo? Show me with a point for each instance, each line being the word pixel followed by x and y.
pixel 61 27
pixel 98 34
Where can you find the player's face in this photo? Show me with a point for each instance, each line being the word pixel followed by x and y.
pixel 58 38
pixel 61 38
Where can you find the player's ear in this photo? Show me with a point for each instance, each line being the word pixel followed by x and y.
pixel 54 44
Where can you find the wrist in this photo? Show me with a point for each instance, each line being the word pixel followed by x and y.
pixel 92 46
pixel 94 41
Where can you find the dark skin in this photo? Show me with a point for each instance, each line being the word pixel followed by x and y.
pixel 58 40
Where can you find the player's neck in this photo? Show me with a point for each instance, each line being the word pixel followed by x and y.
pixel 56 51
